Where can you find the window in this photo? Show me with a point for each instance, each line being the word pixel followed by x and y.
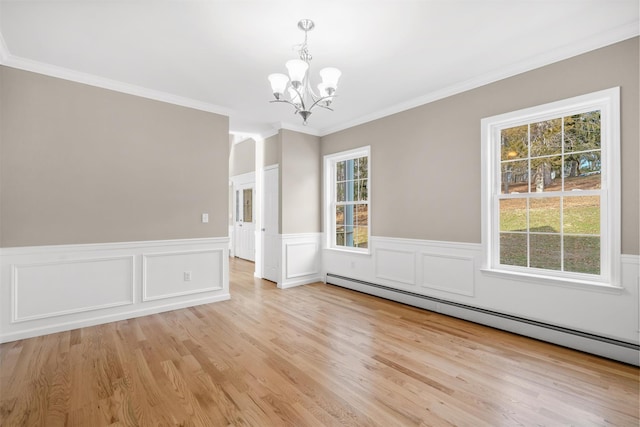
pixel 551 185
pixel 247 205
pixel 347 199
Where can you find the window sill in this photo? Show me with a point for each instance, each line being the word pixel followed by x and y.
pixel 365 252
pixel 585 285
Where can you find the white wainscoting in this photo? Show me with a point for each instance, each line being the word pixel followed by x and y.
pixel 49 289
pixel 301 259
pixel 394 265
pixel 451 272
pixel 163 274
pixel 41 289
pixel 424 267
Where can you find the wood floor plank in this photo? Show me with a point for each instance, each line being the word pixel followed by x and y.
pixel 315 355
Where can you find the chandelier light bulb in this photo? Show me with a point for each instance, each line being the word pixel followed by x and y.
pixel 278 84
pixel 297 70
pixel 325 92
pixel 322 89
pixel 330 77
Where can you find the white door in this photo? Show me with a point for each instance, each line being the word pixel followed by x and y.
pixel 245 222
pixel 270 243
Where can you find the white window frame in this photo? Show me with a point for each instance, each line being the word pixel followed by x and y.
pixel 330 161
pixel 608 102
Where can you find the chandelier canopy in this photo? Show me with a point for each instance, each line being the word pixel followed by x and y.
pixel 295 89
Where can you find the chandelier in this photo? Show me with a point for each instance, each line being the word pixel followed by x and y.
pixel 298 89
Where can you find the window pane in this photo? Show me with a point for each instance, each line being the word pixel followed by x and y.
pixel 581 215
pixel 546 138
pixel 513 215
pixel 349 169
pixel 238 206
pixel 360 237
pixel 364 167
pixel 544 251
pixel 582 254
pixel 513 249
pixel 544 215
pixel 582 171
pixel 364 191
pixel 514 143
pixel 582 132
pixel 352 191
pixel 247 196
pixel 546 174
pixel 339 239
pixel 339 216
pixel 362 215
pixel 351 215
pixel 515 177
pixel 349 235
pixel 341 191
pixel 340 171
pixel 349 225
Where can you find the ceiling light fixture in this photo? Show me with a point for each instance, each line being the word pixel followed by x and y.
pixel 299 92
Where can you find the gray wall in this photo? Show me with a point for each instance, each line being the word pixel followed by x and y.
pixel 80 164
pixel 242 158
pixel 426 161
pixel 271 150
pixel 300 183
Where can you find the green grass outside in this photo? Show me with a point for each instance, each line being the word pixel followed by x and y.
pixel 581 216
pixel 581 253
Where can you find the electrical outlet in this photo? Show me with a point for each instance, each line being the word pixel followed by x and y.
pixel 187 276
pixel 205 217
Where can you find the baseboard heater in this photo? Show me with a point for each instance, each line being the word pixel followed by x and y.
pixel 595 344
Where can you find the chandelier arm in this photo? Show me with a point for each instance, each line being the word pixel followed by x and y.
pixel 301 99
pixel 320 105
pixel 286 102
pixel 325 107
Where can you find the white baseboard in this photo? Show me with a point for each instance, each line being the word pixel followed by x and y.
pixel 48 289
pixel 305 281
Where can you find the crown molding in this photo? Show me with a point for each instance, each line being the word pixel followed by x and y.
pixel 105 83
pixel 564 52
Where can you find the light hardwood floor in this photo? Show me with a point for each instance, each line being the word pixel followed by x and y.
pixel 315 355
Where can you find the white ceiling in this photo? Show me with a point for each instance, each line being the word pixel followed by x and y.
pixel 216 55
